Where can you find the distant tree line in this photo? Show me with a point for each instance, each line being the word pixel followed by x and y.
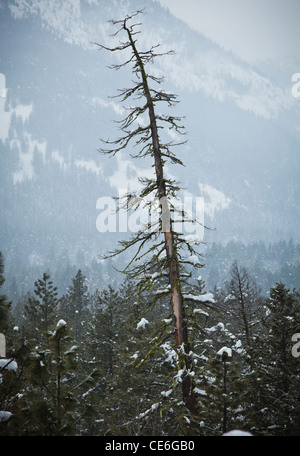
pixel 267 263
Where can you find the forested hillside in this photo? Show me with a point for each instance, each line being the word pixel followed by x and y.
pixel 103 363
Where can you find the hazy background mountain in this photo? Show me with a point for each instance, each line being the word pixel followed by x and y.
pixel 241 120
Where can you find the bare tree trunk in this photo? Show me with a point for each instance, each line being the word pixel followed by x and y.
pixel 181 332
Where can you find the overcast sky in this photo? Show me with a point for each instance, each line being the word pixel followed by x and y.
pixel 252 29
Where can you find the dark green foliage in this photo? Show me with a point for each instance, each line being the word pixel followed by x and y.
pixel 4 303
pixel 275 371
pixel 74 306
pixel 123 377
pixel 104 333
pixel 41 311
pixel 56 386
pixel 221 394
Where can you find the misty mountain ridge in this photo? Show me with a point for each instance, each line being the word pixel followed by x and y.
pixel 242 126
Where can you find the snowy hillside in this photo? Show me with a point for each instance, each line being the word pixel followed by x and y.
pixel 242 127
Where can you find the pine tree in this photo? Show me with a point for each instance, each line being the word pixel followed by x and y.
pixel 41 311
pixel 223 394
pixel 54 395
pixel 105 333
pixel 11 367
pixel 74 306
pixel 169 255
pixel 113 346
pixel 274 381
pixel 221 383
pixel 7 366
pixel 5 305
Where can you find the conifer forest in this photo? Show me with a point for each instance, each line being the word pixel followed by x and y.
pixel 164 334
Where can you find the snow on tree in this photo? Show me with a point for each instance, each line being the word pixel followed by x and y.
pixel 170 253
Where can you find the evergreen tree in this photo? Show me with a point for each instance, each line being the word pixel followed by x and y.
pixel 41 311
pixel 106 329
pixel 11 368
pixel 74 306
pixel 5 305
pixel 112 348
pixel 54 396
pixel 221 384
pixel 7 367
pixel 223 394
pixel 274 381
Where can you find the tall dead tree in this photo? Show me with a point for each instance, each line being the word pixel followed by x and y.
pixel 166 244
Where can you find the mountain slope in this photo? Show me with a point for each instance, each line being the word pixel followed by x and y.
pixel 243 137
